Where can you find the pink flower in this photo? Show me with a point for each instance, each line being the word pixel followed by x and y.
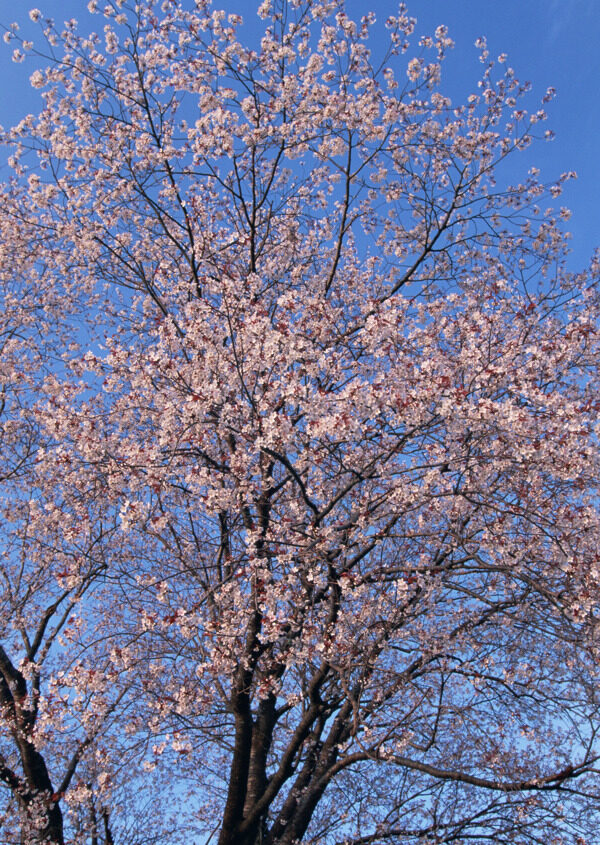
pixel 414 70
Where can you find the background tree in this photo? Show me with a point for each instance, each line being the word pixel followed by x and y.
pixel 330 436
pixel 58 689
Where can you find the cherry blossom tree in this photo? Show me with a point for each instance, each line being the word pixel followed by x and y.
pixel 300 443
pixel 54 553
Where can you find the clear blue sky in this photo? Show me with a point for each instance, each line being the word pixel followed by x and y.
pixel 549 42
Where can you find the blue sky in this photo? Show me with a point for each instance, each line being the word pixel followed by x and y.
pixel 549 42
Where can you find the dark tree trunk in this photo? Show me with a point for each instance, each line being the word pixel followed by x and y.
pixel 34 790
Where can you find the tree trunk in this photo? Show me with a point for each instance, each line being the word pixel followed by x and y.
pixel 42 822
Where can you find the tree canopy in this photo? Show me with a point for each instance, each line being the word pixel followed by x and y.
pixel 299 438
